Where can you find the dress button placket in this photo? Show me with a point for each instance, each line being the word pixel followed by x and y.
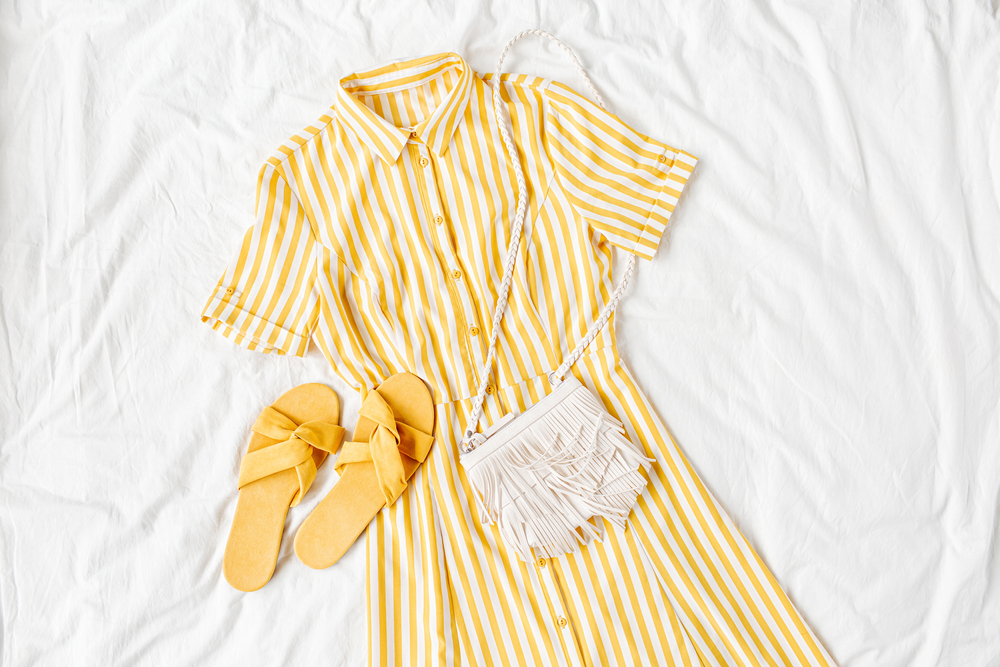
pixel 548 576
pixel 468 304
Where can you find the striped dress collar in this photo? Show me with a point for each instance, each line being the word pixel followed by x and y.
pixel 383 137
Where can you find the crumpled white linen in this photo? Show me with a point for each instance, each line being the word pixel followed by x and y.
pixel 819 330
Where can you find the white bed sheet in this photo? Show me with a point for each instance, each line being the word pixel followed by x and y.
pixel 819 329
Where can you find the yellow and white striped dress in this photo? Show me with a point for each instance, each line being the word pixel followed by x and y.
pixel 381 234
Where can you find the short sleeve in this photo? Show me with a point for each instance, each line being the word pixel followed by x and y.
pixel 267 299
pixel 622 183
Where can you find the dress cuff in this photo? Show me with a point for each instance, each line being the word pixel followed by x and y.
pixel 675 180
pixel 224 314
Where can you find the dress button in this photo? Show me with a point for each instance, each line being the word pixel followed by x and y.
pixel 229 290
pixel 473 331
pixel 456 274
pixel 413 135
pixel 562 622
pixel 438 219
pixel 424 162
pixel 490 390
pixel 541 562
pixel 662 158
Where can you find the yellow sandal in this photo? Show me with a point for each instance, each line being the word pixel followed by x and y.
pixel 290 439
pixel 393 437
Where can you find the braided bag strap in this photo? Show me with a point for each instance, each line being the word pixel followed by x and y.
pixel 558 374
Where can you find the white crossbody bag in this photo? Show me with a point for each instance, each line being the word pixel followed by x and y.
pixel 546 476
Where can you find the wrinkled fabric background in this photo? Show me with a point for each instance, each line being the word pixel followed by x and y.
pixel 819 330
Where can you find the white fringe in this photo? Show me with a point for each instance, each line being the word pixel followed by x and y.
pixel 544 483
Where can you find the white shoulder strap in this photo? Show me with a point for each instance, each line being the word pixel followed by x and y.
pixel 558 374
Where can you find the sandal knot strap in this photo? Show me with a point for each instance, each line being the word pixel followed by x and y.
pixel 295 449
pixel 389 442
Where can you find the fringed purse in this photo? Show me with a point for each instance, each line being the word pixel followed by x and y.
pixel 544 476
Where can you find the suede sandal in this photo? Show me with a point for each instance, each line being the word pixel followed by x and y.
pixel 393 437
pixel 290 439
